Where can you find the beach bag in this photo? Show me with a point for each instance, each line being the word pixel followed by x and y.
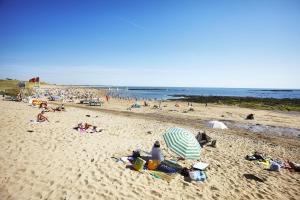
pixel 139 164
pixel 185 172
pixel 274 166
pixel 153 164
pixel 197 175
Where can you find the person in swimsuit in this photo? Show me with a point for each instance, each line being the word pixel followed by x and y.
pixel 41 117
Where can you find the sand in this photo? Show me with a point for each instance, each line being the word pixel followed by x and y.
pixel 56 162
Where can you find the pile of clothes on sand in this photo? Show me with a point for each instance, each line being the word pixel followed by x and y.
pixel 272 164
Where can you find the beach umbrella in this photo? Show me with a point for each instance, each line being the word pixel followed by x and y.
pixel 183 143
pixel 217 124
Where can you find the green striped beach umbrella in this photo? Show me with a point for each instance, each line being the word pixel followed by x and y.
pixel 183 143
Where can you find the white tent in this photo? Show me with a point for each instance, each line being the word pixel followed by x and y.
pixel 217 124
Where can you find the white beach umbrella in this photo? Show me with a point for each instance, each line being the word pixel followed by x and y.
pixel 217 124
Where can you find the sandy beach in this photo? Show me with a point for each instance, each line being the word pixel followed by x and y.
pixel 150 100
pixel 51 160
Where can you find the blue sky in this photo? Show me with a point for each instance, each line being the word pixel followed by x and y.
pixel 197 43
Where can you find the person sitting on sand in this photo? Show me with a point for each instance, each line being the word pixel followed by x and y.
pixel 41 117
pixel 156 153
pixel 203 139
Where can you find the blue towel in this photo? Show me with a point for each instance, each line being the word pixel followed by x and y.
pixel 166 169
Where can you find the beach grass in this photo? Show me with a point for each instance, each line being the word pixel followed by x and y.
pixel 11 88
pixel 246 102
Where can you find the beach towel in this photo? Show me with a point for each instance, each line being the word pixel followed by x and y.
pixel 166 169
pixel 126 159
pixel 172 164
pixel 162 175
pixel 34 121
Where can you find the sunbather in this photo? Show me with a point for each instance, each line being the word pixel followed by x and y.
pixel 87 128
pixel 60 108
pixel 41 117
pixel 82 126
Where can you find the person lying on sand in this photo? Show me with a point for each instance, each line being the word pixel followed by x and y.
pixel 41 117
pixel 46 108
pixel 60 108
pixel 87 128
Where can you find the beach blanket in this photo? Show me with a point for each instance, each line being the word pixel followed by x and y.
pixel 172 164
pixel 167 169
pixel 162 175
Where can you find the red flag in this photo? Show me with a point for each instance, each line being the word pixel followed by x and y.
pixel 32 80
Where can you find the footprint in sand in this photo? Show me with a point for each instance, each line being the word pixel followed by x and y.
pixel 155 193
pixel 214 188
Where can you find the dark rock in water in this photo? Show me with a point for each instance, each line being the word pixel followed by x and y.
pixel 250 116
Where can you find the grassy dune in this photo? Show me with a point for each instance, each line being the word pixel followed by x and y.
pixel 10 87
pixel 247 102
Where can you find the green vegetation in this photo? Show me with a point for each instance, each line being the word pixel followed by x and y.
pixel 246 102
pixel 10 87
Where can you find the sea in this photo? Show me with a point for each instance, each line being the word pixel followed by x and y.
pixel 163 93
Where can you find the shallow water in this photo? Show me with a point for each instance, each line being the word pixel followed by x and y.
pixel 168 92
pixel 266 129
